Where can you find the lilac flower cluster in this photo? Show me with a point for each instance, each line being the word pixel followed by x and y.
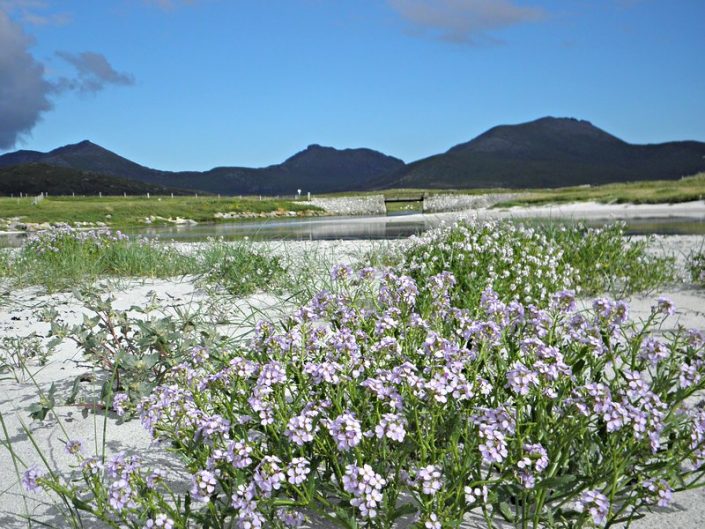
pixel 596 504
pixel 365 485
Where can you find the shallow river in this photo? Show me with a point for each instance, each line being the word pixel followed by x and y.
pixel 332 228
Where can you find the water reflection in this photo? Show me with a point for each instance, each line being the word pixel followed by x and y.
pixel 334 228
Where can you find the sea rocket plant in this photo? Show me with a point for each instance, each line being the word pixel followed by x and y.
pixel 382 400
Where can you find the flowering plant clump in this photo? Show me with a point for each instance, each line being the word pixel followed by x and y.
pixel 517 262
pixel 528 264
pixel 370 406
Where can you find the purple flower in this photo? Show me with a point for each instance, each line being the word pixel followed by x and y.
pixel 73 447
pixel 199 354
pixel 298 470
pixel 637 385
pixel 664 306
pixel 269 475
pixel 689 375
pixel 120 495
pixel 365 485
pixel 203 485
pixel 392 426
pixel 564 301
pixel 91 466
pixel 248 516
pixel 653 350
pixel 119 402
pixel 160 521
pixel 122 466
pixel 596 504
pixel 156 476
pixel 209 426
pixel 30 479
pixel 239 454
pixel 341 272
pixel 520 378
pixel 430 478
pixel 291 518
pixel 494 446
pixel 659 492
pixel 346 431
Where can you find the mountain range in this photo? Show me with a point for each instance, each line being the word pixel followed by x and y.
pixel 547 152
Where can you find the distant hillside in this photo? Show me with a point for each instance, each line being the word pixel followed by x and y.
pixel 316 169
pixel 548 152
pixel 33 179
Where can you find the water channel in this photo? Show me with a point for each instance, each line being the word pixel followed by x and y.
pixel 379 227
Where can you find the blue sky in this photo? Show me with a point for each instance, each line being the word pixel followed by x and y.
pixel 177 84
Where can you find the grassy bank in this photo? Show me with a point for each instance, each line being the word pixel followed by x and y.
pixel 129 211
pixel 64 259
pixel 655 192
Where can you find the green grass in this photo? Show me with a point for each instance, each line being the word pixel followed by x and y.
pixel 66 259
pixel 399 207
pixel 129 211
pixel 653 192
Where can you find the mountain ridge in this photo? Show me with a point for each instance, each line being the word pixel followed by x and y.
pixel 546 152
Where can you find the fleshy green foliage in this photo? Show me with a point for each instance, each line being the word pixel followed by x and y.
pixel 527 264
pixel 136 347
pixel 239 269
pixel 366 408
pixel 696 267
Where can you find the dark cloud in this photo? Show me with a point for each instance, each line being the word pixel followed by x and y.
pixel 464 21
pixel 94 72
pixel 23 90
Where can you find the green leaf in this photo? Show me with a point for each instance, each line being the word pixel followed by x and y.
pixel 343 516
pixel 506 511
pixel 558 482
pixel 81 505
pixel 71 399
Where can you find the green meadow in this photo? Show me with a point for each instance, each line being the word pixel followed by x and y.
pixel 131 210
